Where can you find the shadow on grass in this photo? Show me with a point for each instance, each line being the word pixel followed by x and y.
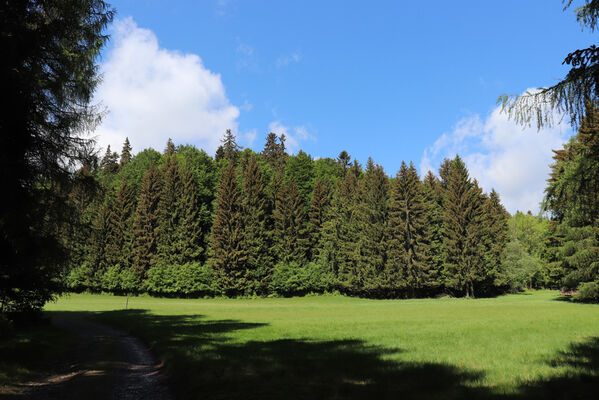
pixel 202 361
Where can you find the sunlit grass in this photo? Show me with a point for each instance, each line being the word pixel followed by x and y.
pixel 502 345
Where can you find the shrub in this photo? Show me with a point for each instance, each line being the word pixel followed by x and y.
pixel 588 292
pixel 293 280
pixel 188 280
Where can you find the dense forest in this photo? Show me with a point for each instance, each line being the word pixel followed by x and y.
pixel 182 223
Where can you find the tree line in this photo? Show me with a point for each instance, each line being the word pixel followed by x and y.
pixel 182 223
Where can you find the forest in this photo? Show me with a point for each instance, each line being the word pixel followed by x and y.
pixel 182 223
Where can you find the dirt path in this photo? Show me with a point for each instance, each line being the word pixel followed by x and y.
pixel 106 364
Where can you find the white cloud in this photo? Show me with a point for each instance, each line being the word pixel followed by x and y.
pixel 288 59
pixel 249 137
pixel 501 155
pixel 153 93
pixel 294 135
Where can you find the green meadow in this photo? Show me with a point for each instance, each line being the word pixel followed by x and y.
pixel 525 345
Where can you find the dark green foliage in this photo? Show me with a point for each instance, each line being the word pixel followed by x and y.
pixel 230 149
pixel 110 162
pixel 317 216
pixel 341 228
pixel 290 235
pixel 463 231
pixel 190 232
pixel 433 220
pixel 300 169
pixel 120 235
pixel 170 210
pixel 407 264
pixel 339 234
pixel 274 152
pixel 230 255
pixel 294 280
pixel 258 239
pixel 367 273
pixel 145 224
pixel 125 153
pixel 588 292
pixel 186 280
pixel 47 76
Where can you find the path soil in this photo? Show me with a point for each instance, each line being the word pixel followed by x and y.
pixel 105 364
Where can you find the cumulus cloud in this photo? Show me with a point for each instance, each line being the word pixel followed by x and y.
pixel 294 135
pixel 501 155
pixel 152 93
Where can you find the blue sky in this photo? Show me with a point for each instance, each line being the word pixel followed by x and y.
pixel 392 80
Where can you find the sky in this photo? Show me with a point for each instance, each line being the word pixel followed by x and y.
pixel 413 81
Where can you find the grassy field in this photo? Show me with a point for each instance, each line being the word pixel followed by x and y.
pixel 526 345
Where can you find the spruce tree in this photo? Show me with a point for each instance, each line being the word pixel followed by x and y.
pixel 229 254
pixel 109 162
pixel 169 212
pixel 316 218
pixel 290 235
pixel 495 220
pixel 145 223
pixel 368 273
pixel 99 239
pixel 256 233
pixel 230 147
pixel 408 236
pixel 433 216
pixel 125 153
pixel 337 248
pixel 462 230
pixel 190 231
pixel 120 234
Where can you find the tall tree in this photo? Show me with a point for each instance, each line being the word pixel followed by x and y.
pixel 125 153
pixel 462 230
pixel 433 220
pixel 169 212
pixel 190 231
pixel 371 221
pixel 230 147
pixel 290 233
pixel 257 236
pixel 274 152
pixel 316 218
pixel 145 224
pixel 120 235
pixel 229 253
pixel 408 236
pixel 110 161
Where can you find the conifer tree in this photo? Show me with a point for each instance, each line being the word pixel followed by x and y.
pixel 495 220
pixel 256 233
pixel 337 247
pixel 290 234
pixel 230 147
pixel 169 212
pixel 125 153
pixel 344 160
pixel 145 223
pixel 98 240
pixel 408 236
pixel 190 230
pixel 317 217
pixel 433 220
pixel 462 227
pixel 120 234
pixel 229 254
pixel 371 226
pixel 109 162
pixel 274 152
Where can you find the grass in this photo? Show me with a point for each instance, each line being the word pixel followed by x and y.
pixel 526 345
